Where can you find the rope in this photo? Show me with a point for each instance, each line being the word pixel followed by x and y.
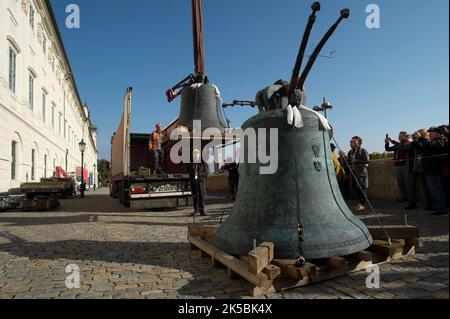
pixel 336 200
pixel 407 159
pixel 365 197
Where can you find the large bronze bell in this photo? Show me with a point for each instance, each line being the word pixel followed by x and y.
pixel 202 102
pixel 300 208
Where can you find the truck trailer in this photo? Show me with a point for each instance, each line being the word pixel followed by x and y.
pixel 132 180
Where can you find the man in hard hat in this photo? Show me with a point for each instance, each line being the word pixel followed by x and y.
pixel 156 140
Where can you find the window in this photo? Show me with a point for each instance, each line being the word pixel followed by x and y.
pixel 59 124
pixel 45 166
pixel 30 90
pixel 44 105
pixel 33 161
pixel 53 116
pixel 12 70
pixel 67 159
pixel 44 44
pixel 13 159
pixel 31 17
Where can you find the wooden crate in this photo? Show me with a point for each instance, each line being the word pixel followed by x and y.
pixel 40 204
pixel 266 274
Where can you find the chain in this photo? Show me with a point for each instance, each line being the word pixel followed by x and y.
pixel 365 197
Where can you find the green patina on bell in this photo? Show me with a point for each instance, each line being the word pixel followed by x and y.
pixel 300 208
pixel 304 191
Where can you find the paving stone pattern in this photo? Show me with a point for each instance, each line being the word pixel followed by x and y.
pixel 144 254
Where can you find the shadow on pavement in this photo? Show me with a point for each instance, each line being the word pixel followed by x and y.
pixel 35 221
pixel 158 254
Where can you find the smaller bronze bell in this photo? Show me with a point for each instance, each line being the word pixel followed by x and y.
pixel 202 102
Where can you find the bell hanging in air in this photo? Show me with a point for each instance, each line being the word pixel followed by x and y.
pixel 202 102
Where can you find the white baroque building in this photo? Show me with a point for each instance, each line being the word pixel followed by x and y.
pixel 42 119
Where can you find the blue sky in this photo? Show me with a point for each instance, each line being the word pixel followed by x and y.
pixel 379 81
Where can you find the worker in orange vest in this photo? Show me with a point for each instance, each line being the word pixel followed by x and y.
pixel 156 140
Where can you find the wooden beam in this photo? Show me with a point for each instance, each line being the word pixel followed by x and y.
pixel 288 268
pixel 272 271
pixel 260 257
pixel 236 265
pixel 363 255
pixel 204 232
pixel 393 251
pixel 244 259
pixel 337 262
pixel 215 262
pixel 259 291
pixel 395 232
pixel 417 242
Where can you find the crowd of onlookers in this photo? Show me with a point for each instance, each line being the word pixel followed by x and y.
pixel 420 159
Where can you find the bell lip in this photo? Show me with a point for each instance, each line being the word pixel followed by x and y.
pixel 361 243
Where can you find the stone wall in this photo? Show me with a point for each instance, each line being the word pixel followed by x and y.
pixel 382 182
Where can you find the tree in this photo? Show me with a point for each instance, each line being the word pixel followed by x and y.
pixel 379 156
pixel 103 169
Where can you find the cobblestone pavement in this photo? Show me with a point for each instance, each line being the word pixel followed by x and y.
pixel 138 254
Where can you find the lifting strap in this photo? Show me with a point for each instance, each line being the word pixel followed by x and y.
pixel 197 27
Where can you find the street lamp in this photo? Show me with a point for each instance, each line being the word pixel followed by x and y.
pixel 95 166
pixel 82 145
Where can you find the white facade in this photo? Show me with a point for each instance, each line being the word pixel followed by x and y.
pixel 42 119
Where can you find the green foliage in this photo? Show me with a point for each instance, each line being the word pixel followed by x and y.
pixel 379 156
pixel 103 169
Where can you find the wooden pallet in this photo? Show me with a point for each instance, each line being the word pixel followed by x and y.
pixel 39 204
pixel 266 274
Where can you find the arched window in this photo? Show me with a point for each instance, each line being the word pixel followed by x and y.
pixel 16 156
pixel 13 51
pixel 12 69
pixel 35 160
pixel 44 105
pixel 44 44
pixel 31 17
pixel 45 166
pixel 14 159
pixel 31 76
pixel 33 164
